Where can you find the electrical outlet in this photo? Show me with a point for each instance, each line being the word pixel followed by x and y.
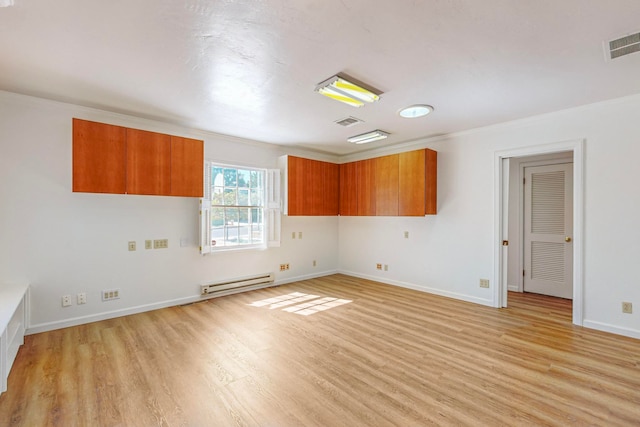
pixel 132 246
pixel 110 294
pixel 148 244
pixel 293 234
pixel 161 244
pixel 627 308
pixel 283 267
pixel 386 267
pixel 66 300
pixel 286 266
pixel 378 266
pixel 484 283
pixel 314 262
pixel 299 234
pixel 406 234
pixel 82 298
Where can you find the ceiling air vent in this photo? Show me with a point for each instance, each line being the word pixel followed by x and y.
pixel 348 122
pixel 624 46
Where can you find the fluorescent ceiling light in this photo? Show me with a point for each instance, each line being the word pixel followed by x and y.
pixel 344 91
pixel 414 111
pixel 368 137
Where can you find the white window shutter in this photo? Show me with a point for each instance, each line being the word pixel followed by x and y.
pixel 272 212
pixel 205 212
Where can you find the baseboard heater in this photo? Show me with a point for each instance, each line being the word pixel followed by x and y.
pixel 213 288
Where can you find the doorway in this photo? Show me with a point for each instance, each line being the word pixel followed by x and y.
pixel 507 240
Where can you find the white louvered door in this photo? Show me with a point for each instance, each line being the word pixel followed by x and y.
pixel 548 230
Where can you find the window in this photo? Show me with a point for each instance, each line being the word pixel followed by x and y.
pixel 241 208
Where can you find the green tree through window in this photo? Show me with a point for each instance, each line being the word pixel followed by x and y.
pixel 237 206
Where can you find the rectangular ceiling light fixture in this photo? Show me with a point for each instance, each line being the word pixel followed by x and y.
pixel 368 137
pixel 343 90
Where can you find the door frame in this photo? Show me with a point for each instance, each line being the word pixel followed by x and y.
pixel 501 195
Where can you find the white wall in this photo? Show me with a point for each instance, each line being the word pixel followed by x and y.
pixel 64 243
pixel 449 253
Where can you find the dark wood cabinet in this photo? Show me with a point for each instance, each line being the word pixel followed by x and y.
pixel 386 185
pixel 348 190
pixel 312 187
pixel 402 184
pixel 365 185
pixel 187 178
pixel 148 163
pixel 331 192
pixel 115 159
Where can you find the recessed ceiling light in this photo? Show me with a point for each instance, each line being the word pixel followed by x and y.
pixel 368 137
pixel 414 111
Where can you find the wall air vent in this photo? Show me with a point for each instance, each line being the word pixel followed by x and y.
pixel 623 46
pixel 349 121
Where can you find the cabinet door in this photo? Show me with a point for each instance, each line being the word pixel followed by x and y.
pixel 386 185
pixel 148 163
pixel 295 185
pixel 314 188
pixel 331 196
pixel 411 201
pixel 431 182
pixel 348 190
pixel 365 182
pixel 187 167
pixel 99 159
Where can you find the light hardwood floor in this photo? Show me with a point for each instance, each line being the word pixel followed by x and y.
pixel 391 357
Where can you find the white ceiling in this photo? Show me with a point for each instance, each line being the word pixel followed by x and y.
pixel 249 68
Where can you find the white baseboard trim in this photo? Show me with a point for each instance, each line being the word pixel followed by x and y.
pixel 513 288
pixel 81 320
pixel 305 277
pixel 440 292
pixel 605 327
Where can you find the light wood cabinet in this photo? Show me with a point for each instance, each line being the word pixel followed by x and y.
pixel 411 183
pixel 114 159
pixel 99 157
pixel 431 184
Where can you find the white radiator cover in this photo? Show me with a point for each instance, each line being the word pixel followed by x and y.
pixel 237 283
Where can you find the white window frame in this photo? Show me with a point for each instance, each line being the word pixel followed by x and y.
pixel 271 209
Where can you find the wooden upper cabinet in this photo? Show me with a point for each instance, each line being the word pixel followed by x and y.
pixel 187 167
pixel 295 185
pixel 365 184
pixel 312 187
pixel 148 163
pixel 115 159
pixel 431 185
pixel 386 185
pixel 348 190
pixel 99 157
pixel 411 186
pixel 331 199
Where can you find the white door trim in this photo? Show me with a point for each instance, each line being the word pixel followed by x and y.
pixel 577 147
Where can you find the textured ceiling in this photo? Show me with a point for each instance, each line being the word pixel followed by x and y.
pixel 249 68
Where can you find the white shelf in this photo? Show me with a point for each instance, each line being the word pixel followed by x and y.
pixel 13 323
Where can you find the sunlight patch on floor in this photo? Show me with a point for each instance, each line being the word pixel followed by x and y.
pixel 310 303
